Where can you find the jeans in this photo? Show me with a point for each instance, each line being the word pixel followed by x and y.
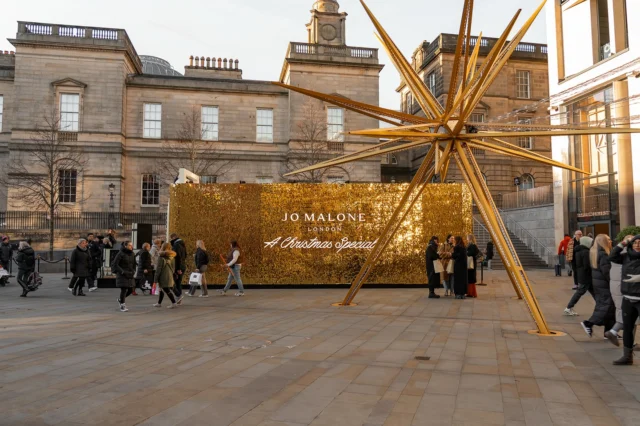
pixel 203 286
pixel 448 283
pixel 630 314
pixel 124 293
pixel 169 295
pixel 177 288
pixel 582 289
pixel 235 269
pixel 23 278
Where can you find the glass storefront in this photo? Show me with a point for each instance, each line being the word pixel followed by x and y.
pixel 593 199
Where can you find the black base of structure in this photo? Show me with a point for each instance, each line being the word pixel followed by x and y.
pixel 111 283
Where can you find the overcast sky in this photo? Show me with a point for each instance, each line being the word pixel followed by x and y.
pixel 257 32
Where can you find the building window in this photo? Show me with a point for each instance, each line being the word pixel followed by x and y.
pixel 335 179
pixel 69 112
pixel 335 124
pixel 525 142
pixel 604 40
pixel 264 125
pixel 210 123
pixel 527 181
pixel 150 190
pixel 153 121
pixel 67 180
pixel 409 103
pixel 393 160
pixel 209 179
pixel 264 179
pixel 1 109
pixel 523 84
pixel 431 82
pixel 477 117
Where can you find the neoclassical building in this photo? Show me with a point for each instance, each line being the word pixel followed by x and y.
pixel 121 109
pixel 517 96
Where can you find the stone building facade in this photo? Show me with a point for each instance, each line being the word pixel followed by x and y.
pixel 512 98
pixel 120 110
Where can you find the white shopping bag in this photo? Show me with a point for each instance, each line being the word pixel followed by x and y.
pixel 470 262
pixel 3 272
pixel 195 278
pixel 437 266
pixel 450 267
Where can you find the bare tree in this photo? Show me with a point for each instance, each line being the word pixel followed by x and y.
pixel 311 144
pixel 44 171
pixel 193 149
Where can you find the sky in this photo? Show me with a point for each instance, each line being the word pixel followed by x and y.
pixel 257 32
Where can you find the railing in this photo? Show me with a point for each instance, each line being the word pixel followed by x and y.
pixel 528 198
pixel 327 50
pixel 537 247
pixel 81 221
pixel 335 146
pixel 68 136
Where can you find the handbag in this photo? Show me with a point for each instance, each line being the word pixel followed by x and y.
pixel 3 272
pixel 155 289
pixel 450 268
pixel 437 266
pixel 470 262
pixel 195 278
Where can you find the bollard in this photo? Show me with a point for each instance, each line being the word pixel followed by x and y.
pixel 38 263
pixel 66 264
pixel 11 267
pixel 481 273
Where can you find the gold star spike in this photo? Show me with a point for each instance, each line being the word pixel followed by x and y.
pixel 445 130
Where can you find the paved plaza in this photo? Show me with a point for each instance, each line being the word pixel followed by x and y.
pixel 287 358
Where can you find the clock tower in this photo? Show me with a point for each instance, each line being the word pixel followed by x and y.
pixel 327 24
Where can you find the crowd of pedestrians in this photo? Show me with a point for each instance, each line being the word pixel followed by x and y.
pixel 611 275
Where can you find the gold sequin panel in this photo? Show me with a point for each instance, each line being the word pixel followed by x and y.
pixel 315 233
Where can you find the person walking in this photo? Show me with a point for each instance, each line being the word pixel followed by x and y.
pixel 6 254
pixel 562 251
pixel 156 248
pixel 460 268
pixel 164 274
pixel 604 314
pixel 144 271
pixel 124 266
pixel 489 254
pixel 573 244
pixel 95 251
pixel 616 291
pixel 431 256
pixel 445 251
pixel 582 272
pixel 178 246
pixel 80 265
pixel 630 289
pixel 234 263
pixel 202 264
pixel 26 260
pixel 472 256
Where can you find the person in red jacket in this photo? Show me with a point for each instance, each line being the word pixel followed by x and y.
pixel 562 250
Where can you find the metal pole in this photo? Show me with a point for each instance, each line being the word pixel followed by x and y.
pixel 481 273
pixel 66 263
pixel 38 259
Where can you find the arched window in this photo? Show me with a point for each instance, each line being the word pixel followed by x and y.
pixel 527 182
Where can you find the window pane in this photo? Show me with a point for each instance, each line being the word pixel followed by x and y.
pixel 210 123
pixel 264 125
pixel 523 87
pixel 525 142
pixel 335 124
pixel 152 126
pixel 69 112
pixel 150 190
pixel 67 180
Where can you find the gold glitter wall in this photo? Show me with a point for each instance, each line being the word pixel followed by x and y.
pixel 315 233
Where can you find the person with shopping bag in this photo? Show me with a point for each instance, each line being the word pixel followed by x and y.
pixel 199 277
pixel 473 252
pixel 163 279
pixel 460 268
pixel 445 251
pixel 434 267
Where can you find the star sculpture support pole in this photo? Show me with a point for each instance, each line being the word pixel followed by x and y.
pixel 445 131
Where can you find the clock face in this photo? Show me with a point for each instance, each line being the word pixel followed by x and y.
pixel 329 32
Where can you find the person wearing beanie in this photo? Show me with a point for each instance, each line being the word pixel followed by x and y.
pixel 583 272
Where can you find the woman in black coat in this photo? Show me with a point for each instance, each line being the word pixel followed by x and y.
pixel 81 265
pixel 604 313
pixel 26 260
pixel 431 255
pixel 472 251
pixel 490 254
pixel 460 274
pixel 144 272
pixel 124 265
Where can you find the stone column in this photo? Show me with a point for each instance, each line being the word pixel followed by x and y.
pixel 620 112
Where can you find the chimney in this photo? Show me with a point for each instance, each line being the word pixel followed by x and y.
pixel 215 68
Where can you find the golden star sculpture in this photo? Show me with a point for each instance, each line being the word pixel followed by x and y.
pixel 445 129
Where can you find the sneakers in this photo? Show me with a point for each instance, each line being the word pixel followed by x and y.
pixel 70 289
pixel 189 294
pixel 179 301
pixel 587 328
pixel 123 307
pixel 157 305
pixel 570 312
pixel 172 306
pixel 612 337
pixel 204 295
pixel 239 294
pixel 93 288
pixel 222 292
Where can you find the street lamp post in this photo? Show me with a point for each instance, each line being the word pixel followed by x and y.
pixel 112 190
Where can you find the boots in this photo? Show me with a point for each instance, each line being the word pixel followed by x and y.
pixel 627 358
pixel 24 293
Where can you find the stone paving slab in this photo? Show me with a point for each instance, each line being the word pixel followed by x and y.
pixel 288 358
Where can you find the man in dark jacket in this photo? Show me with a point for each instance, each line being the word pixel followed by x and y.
pixel 26 260
pixel 95 251
pixel 570 255
pixel 80 265
pixel 124 266
pixel 431 255
pixel 582 272
pixel 179 247
pixel 630 288
pixel 6 253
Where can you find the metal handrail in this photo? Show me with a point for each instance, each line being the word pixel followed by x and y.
pixel 535 245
